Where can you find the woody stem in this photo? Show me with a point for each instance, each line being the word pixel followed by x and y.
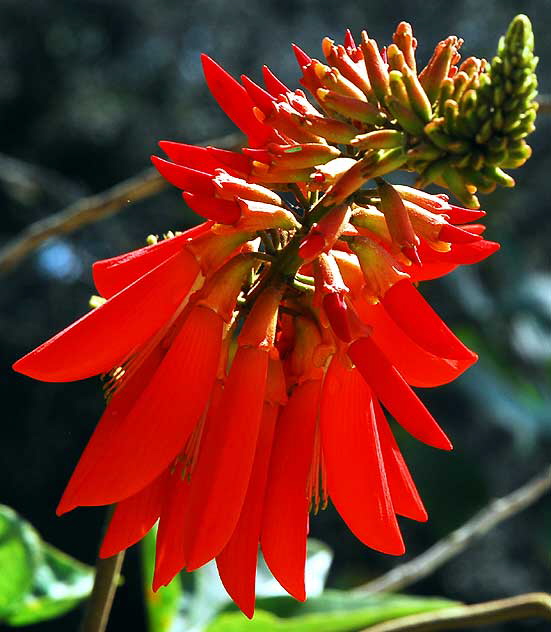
pixel 98 607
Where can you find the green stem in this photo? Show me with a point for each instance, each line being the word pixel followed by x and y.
pixel 98 607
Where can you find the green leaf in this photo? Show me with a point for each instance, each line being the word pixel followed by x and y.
pixel 333 611
pixel 163 606
pixel 38 581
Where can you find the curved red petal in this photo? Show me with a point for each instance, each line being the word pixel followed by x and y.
pixel 417 366
pixel 356 479
pixel 397 397
pixel 407 307
pixel 185 178
pixel 236 103
pixel 105 336
pixel 127 451
pixel 221 477
pixel 134 517
pixel 285 520
pixel 170 549
pixel 404 494
pixel 114 274
pixel 237 561
pixel 274 86
pixel 234 163
pixel 221 211
pixel 198 158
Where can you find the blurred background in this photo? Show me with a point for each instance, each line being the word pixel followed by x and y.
pixel 87 88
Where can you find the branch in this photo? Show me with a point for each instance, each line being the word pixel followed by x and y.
pixel 450 546
pixel 501 610
pixel 544 102
pixel 91 209
pixel 25 180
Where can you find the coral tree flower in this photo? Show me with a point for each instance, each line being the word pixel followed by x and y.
pixel 248 361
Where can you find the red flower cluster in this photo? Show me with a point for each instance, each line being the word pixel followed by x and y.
pixel 248 358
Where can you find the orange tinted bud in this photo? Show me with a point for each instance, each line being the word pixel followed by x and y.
pixel 338 57
pixel 260 326
pixel 379 268
pixel 425 223
pixel 259 216
pixel 323 234
pixel 221 291
pixel 304 155
pixel 351 272
pixel 280 119
pixel 380 139
pixel 403 38
pixel 434 203
pixel 309 353
pixel 332 78
pixel 328 128
pixel 439 66
pixel 397 218
pixel 228 188
pixel 372 220
pixel 332 170
pixel 328 278
pixel 269 174
pixel 396 60
pixel 417 95
pixel 350 107
pixel 376 67
pixel 351 180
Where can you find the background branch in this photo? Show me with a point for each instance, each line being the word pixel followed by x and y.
pixel 501 610
pixel 93 208
pixel 450 546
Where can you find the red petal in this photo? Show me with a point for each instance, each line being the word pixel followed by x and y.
pixel 356 478
pixel 184 178
pixel 134 517
pixel 231 161
pixel 405 498
pixel 460 215
pixel 170 551
pixel 221 478
pixel 114 274
pixel 421 323
pixel 104 337
pixel 302 58
pixel 262 99
pixel 285 520
pixel 456 235
pixel 417 366
pixel 236 103
pixel 237 561
pixel 429 271
pixel 221 211
pixel 472 253
pixel 191 156
pixel 128 451
pixel 274 86
pixel 397 397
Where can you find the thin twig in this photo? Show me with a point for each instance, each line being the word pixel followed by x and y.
pixel 28 180
pixel 91 209
pixel 501 610
pixel 544 102
pixel 450 546
pixel 99 604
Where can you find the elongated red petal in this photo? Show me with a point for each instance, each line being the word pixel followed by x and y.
pixel 285 520
pixel 472 253
pixel 237 561
pixel 457 235
pixel 126 452
pixel 302 58
pixel 232 161
pixel 262 99
pixel 274 86
pixel 405 304
pixel 221 211
pixel 429 271
pixel 103 338
pixel 193 156
pixel 460 215
pixel 356 478
pixel 221 478
pixel 172 546
pixel 170 549
pixel 185 178
pixel 404 494
pixel 417 366
pixel 134 517
pixel 236 103
pixel 397 397
pixel 114 274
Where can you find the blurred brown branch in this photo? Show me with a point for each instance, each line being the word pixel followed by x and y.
pixel 91 209
pixel 544 102
pixel 450 546
pixel 501 610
